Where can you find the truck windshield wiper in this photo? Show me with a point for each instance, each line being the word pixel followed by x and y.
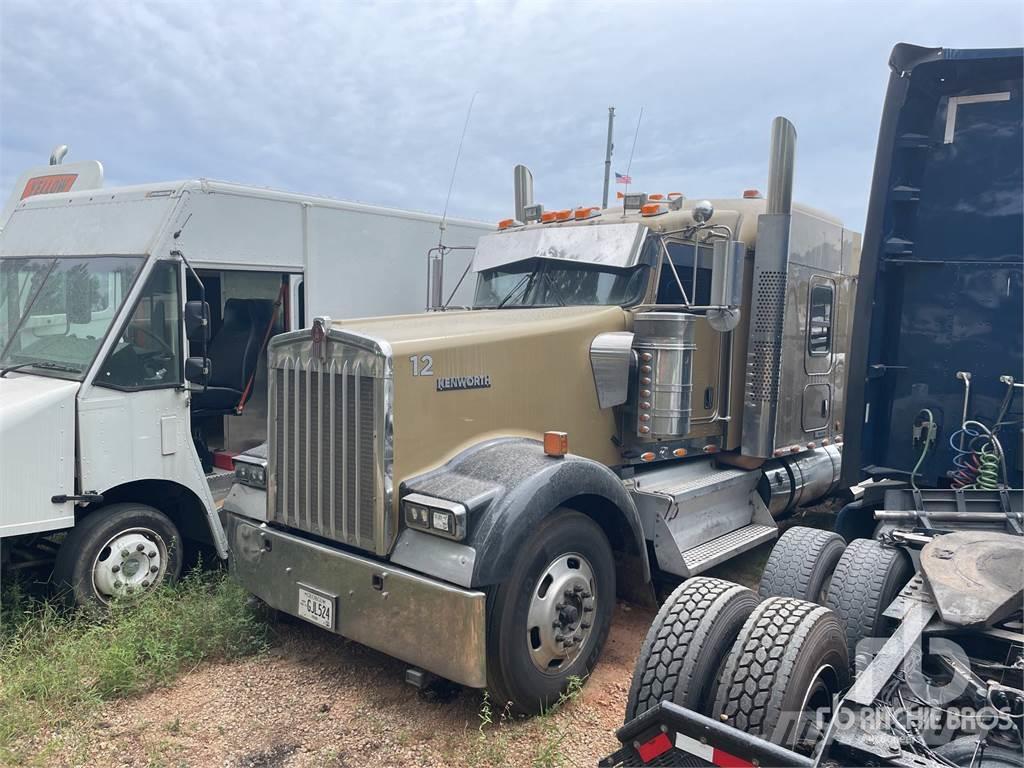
pixel 525 281
pixel 39 364
pixel 554 287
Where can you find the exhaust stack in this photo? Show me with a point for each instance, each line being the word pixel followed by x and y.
pixel 523 182
pixel 782 157
pixel 57 156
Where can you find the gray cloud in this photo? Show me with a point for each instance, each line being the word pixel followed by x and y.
pixel 366 101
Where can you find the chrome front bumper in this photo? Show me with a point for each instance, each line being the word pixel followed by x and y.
pixel 425 623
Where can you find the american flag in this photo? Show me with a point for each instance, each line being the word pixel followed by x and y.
pixel 623 179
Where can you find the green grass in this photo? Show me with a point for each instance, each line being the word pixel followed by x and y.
pixel 57 665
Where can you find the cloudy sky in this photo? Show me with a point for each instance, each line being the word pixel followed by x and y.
pixel 366 101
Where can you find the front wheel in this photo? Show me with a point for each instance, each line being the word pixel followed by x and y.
pixel 549 619
pixel 118 551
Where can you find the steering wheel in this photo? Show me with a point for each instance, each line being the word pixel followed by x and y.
pixel 165 348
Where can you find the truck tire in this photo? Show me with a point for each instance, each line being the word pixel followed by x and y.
pixel 119 550
pixel 789 659
pixel 684 649
pixel 867 579
pixel 549 620
pixel 964 752
pixel 801 564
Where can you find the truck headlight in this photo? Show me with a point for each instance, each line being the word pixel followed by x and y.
pixel 438 516
pixel 250 473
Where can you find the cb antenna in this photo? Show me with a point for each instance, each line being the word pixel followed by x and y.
pixel 633 148
pixel 435 256
pixel 455 168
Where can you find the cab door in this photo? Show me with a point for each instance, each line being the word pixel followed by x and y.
pixel 134 419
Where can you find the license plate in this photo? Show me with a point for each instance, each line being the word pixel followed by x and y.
pixel 316 607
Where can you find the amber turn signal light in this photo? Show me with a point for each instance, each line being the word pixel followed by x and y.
pixel 556 443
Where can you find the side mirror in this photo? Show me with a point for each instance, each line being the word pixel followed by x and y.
pixel 78 296
pixel 198 370
pixel 197 321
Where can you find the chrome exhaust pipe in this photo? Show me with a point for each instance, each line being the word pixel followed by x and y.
pixel 781 159
pixel 57 156
pixel 523 182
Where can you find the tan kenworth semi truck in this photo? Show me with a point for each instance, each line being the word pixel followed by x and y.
pixel 637 389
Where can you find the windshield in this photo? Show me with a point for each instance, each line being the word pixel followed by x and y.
pixel 550 283
pixel 55 312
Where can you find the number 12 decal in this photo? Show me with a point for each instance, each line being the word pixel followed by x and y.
pixel 422 365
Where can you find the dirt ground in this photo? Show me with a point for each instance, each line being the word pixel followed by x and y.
pixel 317 700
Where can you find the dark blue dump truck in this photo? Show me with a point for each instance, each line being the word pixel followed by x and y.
pixel 898 638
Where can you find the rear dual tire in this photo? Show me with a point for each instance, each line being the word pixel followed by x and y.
pixel 683 652
pixel 788 661
pixel 801 564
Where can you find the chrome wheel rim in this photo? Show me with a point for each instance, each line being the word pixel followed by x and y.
pixel 562 611
pixel 817 696
pixel 129 563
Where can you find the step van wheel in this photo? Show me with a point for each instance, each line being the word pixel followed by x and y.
pixel 121 550
pixel 549 620
pixel 682 655
pixel 801 564
pixel 788 661
pixel 867 579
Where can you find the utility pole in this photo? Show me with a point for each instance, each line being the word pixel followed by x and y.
pixel 608 157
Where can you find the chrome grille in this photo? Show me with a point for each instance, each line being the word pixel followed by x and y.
pixel 326 449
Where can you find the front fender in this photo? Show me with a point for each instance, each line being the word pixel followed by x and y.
pixel 509 485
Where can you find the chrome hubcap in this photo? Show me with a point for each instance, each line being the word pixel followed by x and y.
pixel 129 563
pixel 561 614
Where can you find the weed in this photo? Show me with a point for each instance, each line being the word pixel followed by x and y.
pixel 58 665
pixel 550 755
pixel 490 746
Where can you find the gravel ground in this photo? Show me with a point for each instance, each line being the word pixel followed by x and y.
pixel 317 700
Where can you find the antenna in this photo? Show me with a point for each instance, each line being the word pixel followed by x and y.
pixel 435 256
pixel 633 148
pixel 455 168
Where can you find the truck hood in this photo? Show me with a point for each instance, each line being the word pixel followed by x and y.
pixel 433 330
pixel 37 452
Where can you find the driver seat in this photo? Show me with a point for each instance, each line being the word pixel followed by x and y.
pixel 234 354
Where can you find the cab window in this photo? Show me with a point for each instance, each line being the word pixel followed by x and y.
pixel 819 323
pixel 147 354
pixel 682 258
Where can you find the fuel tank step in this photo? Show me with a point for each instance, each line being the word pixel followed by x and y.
pixel 720 549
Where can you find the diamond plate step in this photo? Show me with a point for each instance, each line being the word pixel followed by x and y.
pixel 720 549
pixel 711 480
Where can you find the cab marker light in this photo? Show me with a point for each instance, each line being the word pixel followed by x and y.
pixel 556 443
pixel 587 212
pixel 547 217
pixel 751 194
pixel 658 197
pixel 564 215
pixel 653 209
pixel 509 223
